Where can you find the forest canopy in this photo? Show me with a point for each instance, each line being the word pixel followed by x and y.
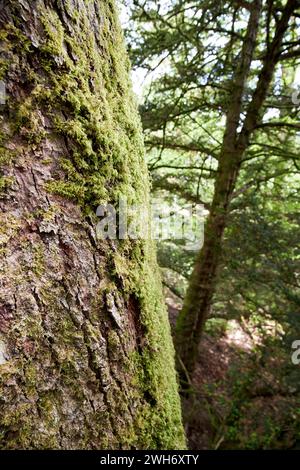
pixel 220 109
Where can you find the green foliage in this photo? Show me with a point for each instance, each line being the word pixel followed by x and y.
pixel 215 327
pixel 189 52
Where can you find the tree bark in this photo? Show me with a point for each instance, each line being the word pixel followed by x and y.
pixel 86 358
pixel 202 284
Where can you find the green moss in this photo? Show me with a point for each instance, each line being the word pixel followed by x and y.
pixel 104 124
pixel 12 36
pixel 70 190
pixel 38 261
pixel 3 68
pixel 27 121
pixel 9 227
pixel 155 365
pixel 6 158
pixel 87 97
pixel 54 32
pixel 6 182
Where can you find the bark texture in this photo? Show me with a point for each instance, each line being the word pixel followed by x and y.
pixel 86 358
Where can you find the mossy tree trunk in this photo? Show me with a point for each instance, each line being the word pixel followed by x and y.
pixel 86 359
pixel 203 280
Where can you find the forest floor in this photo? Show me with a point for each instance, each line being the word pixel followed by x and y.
pixel 244 394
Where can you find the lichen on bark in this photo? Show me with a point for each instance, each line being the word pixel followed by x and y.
pixel 73 373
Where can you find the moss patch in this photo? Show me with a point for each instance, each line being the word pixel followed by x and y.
pixel 82 87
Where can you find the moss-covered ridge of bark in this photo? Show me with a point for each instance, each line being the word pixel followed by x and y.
pixel 90 84
pixel 82 86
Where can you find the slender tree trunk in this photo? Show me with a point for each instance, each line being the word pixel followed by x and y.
pixel 203 279
pixel 86 359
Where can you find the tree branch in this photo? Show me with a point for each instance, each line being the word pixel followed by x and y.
pixel 265 77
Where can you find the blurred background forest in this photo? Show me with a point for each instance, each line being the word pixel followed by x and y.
pixel 245 391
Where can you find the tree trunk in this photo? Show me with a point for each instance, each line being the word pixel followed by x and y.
pixel 86 359
pixel 202 284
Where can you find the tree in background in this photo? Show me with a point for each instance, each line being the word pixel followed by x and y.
pixel 86 359
pixel 220 96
